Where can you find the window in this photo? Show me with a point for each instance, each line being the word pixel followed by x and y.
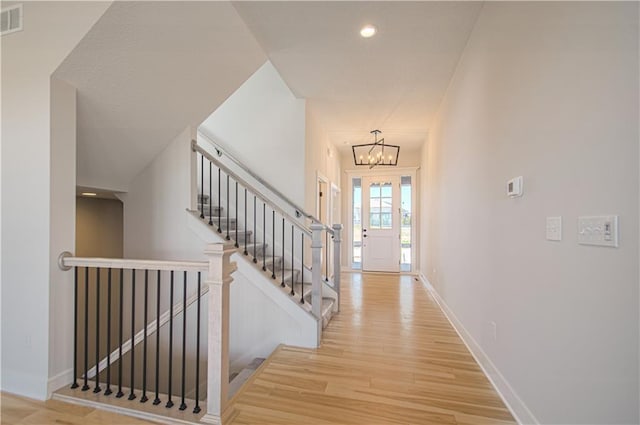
pixel 356 221
pixel 380 206
pixel 405 223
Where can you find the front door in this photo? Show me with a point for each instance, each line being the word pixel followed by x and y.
pixel 381 224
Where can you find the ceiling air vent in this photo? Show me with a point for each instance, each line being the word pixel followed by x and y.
pixel 11 19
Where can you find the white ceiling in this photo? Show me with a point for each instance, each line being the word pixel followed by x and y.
pixel 145 72
pixel 393 81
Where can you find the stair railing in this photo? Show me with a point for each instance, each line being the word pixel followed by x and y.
pixel 282 236
pixel 117 279
pixel 299 211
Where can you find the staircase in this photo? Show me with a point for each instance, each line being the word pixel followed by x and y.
pixel 140 352
pixel 271 231
pixel 277 269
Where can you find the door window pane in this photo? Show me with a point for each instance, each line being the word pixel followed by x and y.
pixel 380 206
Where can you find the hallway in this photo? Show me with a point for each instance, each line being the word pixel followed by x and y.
pixel 390 356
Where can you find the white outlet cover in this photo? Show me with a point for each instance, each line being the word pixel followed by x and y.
pixel 554 228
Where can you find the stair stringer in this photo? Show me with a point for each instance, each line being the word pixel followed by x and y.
pixel 304 326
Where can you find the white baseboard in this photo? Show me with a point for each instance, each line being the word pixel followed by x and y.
pixel 58 381
pixel 514 403
pixel 211 419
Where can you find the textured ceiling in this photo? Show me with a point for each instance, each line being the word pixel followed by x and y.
pixel 393 81
pixel 145 72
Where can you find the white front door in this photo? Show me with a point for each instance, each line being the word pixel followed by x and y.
pixel 381 223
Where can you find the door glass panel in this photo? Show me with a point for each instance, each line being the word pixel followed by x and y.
pixel 380 205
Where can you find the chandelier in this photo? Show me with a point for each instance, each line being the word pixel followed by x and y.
pixel 376 153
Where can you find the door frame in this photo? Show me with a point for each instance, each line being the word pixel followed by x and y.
pixel 320 178
pixel 348 211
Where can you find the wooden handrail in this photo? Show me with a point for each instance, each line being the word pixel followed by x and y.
pixel 66 261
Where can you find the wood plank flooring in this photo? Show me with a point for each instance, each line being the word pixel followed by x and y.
pixel 389 357
pixel 16 410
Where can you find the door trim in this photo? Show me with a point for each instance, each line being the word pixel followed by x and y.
pixel 415 210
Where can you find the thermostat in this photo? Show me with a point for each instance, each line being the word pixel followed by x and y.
pixel 514 187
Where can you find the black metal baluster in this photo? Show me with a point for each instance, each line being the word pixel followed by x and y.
pixel 108 391
pixel 219 204
pixel 282 284
pixel 120 313
pixel 85 387
pixel 326 256
pixel 255 233
pixel 197 409
pixel 273 249
pixel 293 280
pixel 201 186
pixel 228 237
pixel 301 267
pixel 264 237
pixel 75 328
pixel 236 226
pixel 169 402
pixel 245 222
pixel 144 397
pixel 183 405
pixel 97 388
pixel 156 401
pixel 132 395
pixel 210 198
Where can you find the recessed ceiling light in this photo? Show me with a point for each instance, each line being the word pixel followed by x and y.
pixel 89 194
pixel 368 31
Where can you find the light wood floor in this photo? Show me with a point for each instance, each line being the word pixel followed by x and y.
pixel 389 357
pixel 19 410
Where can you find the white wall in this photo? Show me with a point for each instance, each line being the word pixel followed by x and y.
pixel 548 91
pixel 29 58
pixel 262 124
pixel 321 156
pixel 62 230
pixel 155 225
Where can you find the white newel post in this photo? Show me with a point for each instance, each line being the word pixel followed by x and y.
pixel 316 275
pixel 337 239
pixel 219 279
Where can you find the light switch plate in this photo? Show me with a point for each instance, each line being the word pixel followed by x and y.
pixel 598 230
pixel 554 228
